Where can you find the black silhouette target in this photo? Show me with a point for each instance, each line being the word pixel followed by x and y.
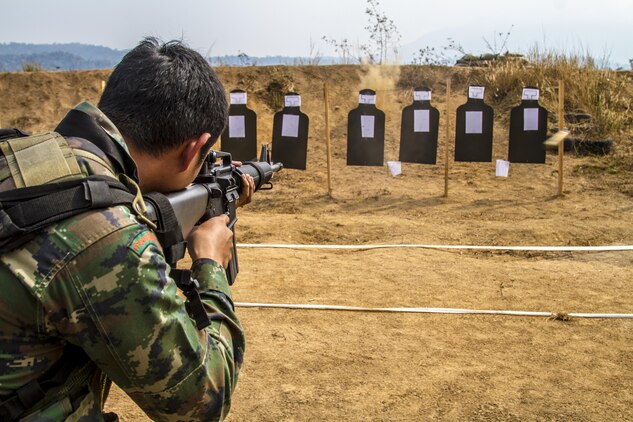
pixel 366 132
pixel 419 130
pixel 474 128
pixel 290 134
pixel 528 129
pixel 240 135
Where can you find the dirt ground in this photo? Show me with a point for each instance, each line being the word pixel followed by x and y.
pixel 305 365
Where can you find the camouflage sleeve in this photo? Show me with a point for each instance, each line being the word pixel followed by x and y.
pixel 122 308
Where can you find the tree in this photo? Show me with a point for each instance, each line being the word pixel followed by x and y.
pixel 499 43
pixel 342 47
pixel 383 34
pixel 245 59
pixel 444 56
pixel 383 38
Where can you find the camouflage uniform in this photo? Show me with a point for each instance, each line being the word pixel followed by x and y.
pixel 99 281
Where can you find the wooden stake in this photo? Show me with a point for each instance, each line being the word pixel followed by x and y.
pixel 448 135
pixel 327 140
pixel 561 126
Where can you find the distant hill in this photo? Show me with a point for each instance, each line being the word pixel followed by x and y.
pixel 75 56
pixel 72 56
pixel 244 60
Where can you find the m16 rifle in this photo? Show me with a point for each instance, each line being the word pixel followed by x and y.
pixel 215 192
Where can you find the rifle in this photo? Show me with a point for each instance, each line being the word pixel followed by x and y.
pixel 214 192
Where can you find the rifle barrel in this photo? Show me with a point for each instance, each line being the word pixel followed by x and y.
pixel 260 171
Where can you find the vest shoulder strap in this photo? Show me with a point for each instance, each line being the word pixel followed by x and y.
pixel 25 211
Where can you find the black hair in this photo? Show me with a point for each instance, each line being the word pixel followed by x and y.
pixel 163 94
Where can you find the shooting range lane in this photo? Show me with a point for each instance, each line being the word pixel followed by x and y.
pixel 512 364
pixel 505 359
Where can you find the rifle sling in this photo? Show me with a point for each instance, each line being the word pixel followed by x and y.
pixel 169 234
pixel 168 231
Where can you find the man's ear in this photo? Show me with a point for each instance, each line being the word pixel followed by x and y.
pixel 191 151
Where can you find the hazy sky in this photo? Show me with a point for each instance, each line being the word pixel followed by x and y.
pixel 284 27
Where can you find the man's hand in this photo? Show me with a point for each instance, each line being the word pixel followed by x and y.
pixel 212 239
pixel 248 188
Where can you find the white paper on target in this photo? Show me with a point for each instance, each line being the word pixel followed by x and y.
pixel 367 126
pixel 476 92
pixel 366 99
pixel 290 126
pixel 530 94
pixel 503 168
pixel 474 122
pixel 237 127
pixel 293 101
pixel 530 119
pixel 421 121
pixel 422 95
pixel 238 97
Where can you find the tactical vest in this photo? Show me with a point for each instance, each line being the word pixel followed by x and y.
pixel 42 181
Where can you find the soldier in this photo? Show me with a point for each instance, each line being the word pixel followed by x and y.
pixel 90 299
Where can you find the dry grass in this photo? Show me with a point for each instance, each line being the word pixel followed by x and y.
pixel 32 67
pixel 589 88
pixel 431 76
